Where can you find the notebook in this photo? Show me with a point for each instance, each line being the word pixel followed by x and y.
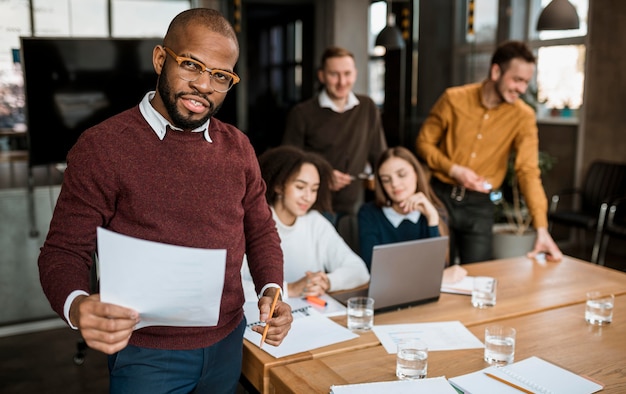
pixel 532 375
pixel 407 273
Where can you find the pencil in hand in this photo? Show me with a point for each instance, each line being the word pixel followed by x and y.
pixel 267 326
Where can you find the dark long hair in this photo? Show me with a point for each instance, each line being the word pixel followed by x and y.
pixel 281 164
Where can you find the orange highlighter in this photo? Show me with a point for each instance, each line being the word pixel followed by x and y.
pixel 316 300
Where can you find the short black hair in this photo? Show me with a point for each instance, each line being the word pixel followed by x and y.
pixel 510 50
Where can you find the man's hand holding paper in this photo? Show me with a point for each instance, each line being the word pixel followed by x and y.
pixel 167 285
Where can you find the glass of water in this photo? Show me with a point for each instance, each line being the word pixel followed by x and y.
pixel 360 312
pixel 412 359
pixel 484 292
pixel 599 308
pixel 499 345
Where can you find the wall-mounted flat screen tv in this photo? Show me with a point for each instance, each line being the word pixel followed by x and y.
pixel 72 84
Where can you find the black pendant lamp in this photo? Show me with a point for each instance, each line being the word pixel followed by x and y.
pixel 558 15
pixel 390 37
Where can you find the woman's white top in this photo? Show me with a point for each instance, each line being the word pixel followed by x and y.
pixel 313 244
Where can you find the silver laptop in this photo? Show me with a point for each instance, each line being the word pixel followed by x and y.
pixel 407 273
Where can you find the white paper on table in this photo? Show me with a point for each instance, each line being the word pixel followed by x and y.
pixel 168 285
pixel 450 335
pixel 437 385
pixel 309 330
pixel 464 286
pixel 332 308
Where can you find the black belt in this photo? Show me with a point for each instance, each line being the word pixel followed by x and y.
pixel 457 192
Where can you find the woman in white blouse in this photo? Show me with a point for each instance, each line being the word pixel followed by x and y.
pixel 316 258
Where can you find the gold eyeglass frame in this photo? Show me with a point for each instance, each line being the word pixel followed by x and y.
pixel 203 68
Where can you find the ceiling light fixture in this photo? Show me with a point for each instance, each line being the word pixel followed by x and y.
pixel 558 15
pixel 390 37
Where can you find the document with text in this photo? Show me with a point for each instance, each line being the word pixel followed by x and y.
pixel 309 330
pixel 450 335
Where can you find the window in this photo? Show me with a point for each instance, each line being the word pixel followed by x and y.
pixel 143 18
pixel 376 66
pixel 482 21
pixel 560 65
pixel 69 18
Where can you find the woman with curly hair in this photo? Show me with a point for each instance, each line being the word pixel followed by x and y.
pixel 316 258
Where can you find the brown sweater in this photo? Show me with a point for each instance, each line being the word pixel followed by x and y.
pixel 347 140
pixel 182 190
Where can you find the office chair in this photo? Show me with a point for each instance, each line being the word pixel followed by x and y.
pixel 603 182
pixel 612 225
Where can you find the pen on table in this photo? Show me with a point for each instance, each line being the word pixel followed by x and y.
pixel 267 326
pixel 316 300
pixel 508 383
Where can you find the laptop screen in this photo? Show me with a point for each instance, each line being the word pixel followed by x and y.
pixel 407 273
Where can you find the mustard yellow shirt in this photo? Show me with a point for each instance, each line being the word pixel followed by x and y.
pixel 461 130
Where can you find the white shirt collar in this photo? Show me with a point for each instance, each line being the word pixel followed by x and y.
pixel 159 123
pixel 326 102
pixel 396 218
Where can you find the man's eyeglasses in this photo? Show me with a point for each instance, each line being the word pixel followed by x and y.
pixel 190 70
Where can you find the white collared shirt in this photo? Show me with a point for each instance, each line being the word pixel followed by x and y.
pixel 159 123
pixel 396 218
pixel 325 102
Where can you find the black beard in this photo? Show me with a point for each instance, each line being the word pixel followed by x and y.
pixel 169 100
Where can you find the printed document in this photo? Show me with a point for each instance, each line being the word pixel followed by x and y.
pixel 451 335
pixel 309 330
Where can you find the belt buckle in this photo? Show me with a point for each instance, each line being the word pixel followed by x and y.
pixel 457 193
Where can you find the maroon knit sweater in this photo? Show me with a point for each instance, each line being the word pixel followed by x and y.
pixel 182 190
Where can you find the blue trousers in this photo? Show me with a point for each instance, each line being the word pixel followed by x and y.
pixel 214 369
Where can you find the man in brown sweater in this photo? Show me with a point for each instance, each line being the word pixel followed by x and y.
pixel 342 126
pixel 168 171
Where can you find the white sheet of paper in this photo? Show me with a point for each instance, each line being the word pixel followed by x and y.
pixel 464 286
pixel 438 336
pixel 332 308
pixel 309 330
pixel 438 385
pixel 168 285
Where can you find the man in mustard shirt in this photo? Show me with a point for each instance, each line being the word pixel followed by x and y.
pixel 466 141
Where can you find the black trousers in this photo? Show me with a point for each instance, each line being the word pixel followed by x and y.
pixel 471 219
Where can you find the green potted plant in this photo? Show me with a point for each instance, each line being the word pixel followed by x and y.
pixel 513 234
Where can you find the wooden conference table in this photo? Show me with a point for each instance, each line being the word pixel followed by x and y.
pixel 529 292
pixel 559 335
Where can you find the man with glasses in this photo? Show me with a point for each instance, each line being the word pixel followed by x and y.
pixel 168 171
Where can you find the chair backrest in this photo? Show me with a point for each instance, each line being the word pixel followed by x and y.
pixel 604 181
